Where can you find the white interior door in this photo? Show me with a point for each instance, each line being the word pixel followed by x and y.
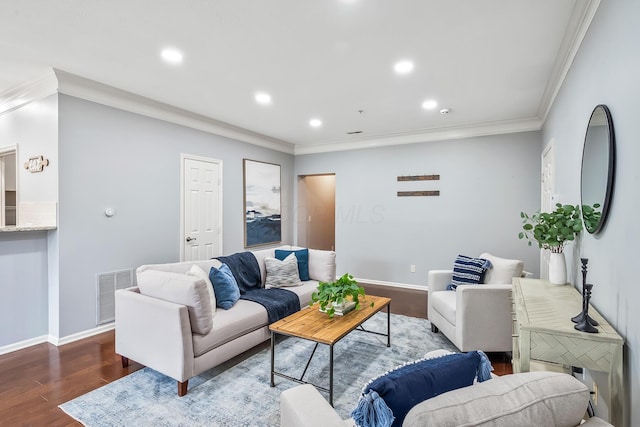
pixel 201 234
pixel 546 203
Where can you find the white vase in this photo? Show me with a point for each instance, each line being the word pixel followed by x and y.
pixel 557 269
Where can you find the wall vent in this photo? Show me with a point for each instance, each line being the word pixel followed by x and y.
pixel 106 286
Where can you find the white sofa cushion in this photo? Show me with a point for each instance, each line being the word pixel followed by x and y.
pixel 322 265
pixel 198 272
pixel 260 257
pixel 181 267
pixel 551 399
pixel 444 302
pixel 503 270
pixel 180 289
pixel 244 317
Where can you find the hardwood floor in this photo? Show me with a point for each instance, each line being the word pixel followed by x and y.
pixel 34 381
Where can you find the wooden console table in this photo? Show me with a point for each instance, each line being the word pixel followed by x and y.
pixel 543 331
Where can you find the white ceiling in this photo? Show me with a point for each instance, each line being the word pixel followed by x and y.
pixel 496 64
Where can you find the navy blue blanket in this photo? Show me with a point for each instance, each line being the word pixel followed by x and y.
pixel 279 303
pixel 245 269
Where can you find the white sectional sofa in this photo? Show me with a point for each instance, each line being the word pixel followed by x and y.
pixel 160 334
pixel 533 399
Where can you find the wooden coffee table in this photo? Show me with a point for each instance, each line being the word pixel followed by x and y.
pixel 313 325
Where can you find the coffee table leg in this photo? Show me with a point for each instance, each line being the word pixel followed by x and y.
pixel 273 350
pixel 331 374
pixel 389 325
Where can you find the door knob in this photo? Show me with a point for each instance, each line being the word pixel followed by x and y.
pixel 189 239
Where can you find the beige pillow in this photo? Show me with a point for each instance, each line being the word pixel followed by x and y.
pixel 547 399
pixel 503 270
pixel 180 289
pixel 196 271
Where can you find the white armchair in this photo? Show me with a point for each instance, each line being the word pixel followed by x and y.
pixel 475 317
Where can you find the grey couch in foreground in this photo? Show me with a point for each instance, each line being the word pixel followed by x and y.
pixel 534 399
pixel 182 340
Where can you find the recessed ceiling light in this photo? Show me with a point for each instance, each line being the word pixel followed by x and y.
pixel 429 104
pixel 263 98
pixel 403 67
pixel 315 123
pixel 172 56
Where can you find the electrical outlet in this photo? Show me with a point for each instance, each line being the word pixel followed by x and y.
pixel 412 268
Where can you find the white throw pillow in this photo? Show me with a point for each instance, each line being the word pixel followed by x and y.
pixel 503 270
pixel 180 289
pixel 282 273
pixel 196 271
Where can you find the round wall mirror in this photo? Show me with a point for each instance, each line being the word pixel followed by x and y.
pixel 598 169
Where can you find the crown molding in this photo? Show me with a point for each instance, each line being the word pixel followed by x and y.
pixel 441 134
pixel 582 17
pixel 28 91
pixel 90 90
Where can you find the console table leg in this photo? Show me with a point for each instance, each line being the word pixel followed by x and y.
pixel 616 387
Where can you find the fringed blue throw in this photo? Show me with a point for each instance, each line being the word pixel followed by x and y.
pixel 386 400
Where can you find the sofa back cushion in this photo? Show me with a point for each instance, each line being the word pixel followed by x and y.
pixel 502 270
pixel 547 399
pixel 180 289
pixel 180 267
pixel 260 257
pixel 322 265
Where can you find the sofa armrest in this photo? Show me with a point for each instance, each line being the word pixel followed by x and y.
pixel 438 280
pixel 304 406
pixel 154 333
pixel 483 316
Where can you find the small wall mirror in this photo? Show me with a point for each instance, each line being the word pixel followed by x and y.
pixel 598 169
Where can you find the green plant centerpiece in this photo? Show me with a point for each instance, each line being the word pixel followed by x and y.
pixel 332 294
pixel 552 230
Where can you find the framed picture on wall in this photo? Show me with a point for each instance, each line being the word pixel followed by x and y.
pixel 262 213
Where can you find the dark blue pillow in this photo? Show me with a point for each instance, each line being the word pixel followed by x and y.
pixel 224 286
pixel 387 400
pixel 303 261
pixel 468 271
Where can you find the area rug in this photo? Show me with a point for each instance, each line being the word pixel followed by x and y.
pixel 240 395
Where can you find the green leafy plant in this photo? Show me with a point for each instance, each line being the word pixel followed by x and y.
pixel 591 216
pixel 552 229
pixel 337 292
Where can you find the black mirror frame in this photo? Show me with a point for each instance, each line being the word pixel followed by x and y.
pixel 610 169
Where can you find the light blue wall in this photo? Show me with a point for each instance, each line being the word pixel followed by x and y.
pixel 23 286
pixel 110 157
pixel 606 71
pixel 24 256
pixel 484 184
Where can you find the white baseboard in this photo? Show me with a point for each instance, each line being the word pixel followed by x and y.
pixel 393 284
pixel 81 335
pixel 55 340
pixel 23 344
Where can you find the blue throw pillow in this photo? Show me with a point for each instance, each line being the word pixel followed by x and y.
pixel 224 286
pixel 468 271
pixel 387 400
pixel 303 261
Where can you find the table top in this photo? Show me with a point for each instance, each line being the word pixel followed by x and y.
pixel 312 324
pixel 541 306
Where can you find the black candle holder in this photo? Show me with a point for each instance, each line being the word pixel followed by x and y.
pixel 580 317
pixel 585 325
